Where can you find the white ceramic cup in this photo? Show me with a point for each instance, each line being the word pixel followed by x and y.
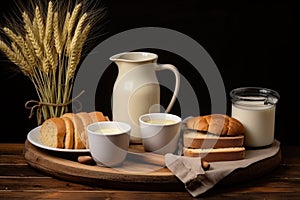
pixel 109 142
pixel 162 137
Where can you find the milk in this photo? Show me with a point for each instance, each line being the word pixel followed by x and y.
pixel 258 120
pixel 108 130
pixel 161 121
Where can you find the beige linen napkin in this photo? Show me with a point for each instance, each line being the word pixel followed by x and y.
pixel 197 181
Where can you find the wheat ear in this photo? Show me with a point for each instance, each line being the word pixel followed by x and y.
pixel 80 44
pixel 40 23
pixel 29 55
pixel 22 45
pixel 64 34
pixel 84 36
pixel 14 37
pixel 71 25
pixel 49 21
pixel 73 18
pixel 48 34
pixel 16 58
pixel 74 49
pixel 57 35
pixel 32 37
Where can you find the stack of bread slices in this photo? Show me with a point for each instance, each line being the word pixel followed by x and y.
pixel 215 137
pixel 69 130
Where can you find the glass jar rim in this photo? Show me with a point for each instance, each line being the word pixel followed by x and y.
pixel 267 95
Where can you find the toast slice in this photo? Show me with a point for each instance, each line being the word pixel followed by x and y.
pixel 194 139
pixel 86 120
pixel 78 130
pixel 98 116
pixel 216 155
pixel 69 137
pixel 53 132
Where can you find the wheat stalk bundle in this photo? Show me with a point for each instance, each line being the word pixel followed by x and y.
pixel 48 49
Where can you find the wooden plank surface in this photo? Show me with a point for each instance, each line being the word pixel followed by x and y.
pixel 20 181
pixel 133 174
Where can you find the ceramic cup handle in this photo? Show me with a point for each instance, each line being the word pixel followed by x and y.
pixel 177 82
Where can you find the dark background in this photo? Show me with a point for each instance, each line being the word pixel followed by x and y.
pixel 253 43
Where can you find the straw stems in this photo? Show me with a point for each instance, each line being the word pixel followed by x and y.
pixel 48 52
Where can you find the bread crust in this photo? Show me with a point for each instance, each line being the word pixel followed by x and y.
pixel 69 130
pixel 69 137
pixel 218 124
pixel 199 140
pixel 216 155
pixel 86 120
pixel 215 137
pixel 98 116
pixel 53 132
pixel 78 130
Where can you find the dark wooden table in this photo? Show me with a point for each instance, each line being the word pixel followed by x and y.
pixel 18 180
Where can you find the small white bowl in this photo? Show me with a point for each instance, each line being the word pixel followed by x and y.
pixel 160 132
pixel 109 142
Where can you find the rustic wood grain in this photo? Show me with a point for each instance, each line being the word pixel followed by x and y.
pixel 11 149
pixel 18 180
pixel 132 175
pixel 132 195
pixel 12 159
pixel 129 176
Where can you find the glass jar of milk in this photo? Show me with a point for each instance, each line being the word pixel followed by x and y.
pixel 255 107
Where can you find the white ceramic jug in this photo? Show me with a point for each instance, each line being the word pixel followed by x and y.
pixel 136 90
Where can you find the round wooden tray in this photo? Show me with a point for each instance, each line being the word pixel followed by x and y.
pixel 146 174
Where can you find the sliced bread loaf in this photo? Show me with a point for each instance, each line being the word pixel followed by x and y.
pixel 53 132
pixel 69 130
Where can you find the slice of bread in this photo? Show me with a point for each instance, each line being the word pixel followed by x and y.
pixel 78 130
pixel 53 132
pixel 193 139
pixel 216 155
pixel 86 120
pixel 69 137
pixel 98 116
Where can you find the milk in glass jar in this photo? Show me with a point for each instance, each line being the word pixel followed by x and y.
pixel 255 108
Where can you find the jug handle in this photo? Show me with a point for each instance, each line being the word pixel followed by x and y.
pixel 177 82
